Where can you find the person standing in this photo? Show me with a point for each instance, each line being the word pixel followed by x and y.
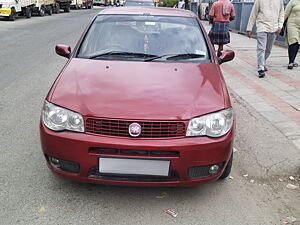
pixel 181 4
pixel 221 13
pixel 268 16
pixel 292 14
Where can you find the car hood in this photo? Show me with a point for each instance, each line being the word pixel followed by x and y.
pixel 139 90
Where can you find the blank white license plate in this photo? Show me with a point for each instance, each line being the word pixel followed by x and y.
pixel 134 166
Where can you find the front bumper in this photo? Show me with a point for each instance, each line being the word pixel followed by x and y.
pixel 192 152
pixel 5 12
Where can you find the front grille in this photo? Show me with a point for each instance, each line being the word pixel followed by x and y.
pixel 133 152
pixel 153 129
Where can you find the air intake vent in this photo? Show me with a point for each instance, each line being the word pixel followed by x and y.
pixel 149 129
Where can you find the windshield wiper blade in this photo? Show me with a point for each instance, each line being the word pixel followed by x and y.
pixel 186 56
pixel 178 56
pixel 135 54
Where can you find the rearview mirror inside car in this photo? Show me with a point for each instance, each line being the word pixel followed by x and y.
pixel 63 50
pixel 226 56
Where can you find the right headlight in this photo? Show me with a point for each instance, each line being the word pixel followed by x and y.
pixel 214 124
pixel 58 119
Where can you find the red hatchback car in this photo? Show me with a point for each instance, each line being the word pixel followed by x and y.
pixel 141 101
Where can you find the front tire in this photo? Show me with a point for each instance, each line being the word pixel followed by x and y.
pixel 28 12
pixel 13 15
pixel 56 9
pixel 227 169
pixel 67 8
pixel 206 17
pixel 42 11
pixel 50 11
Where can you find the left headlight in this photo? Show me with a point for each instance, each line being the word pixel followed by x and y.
pixel 58 119
pixel 212 125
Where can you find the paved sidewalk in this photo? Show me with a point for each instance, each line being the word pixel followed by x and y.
pixel 277 96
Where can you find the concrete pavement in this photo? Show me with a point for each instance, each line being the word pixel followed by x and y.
pixel 277 96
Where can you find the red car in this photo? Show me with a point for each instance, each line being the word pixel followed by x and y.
pixel 141 101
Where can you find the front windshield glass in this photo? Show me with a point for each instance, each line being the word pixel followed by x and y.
pixel 151 36
pixel 137 3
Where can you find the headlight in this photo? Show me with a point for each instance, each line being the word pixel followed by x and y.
pixel 213 125
pixel 57 118
pixel 5 6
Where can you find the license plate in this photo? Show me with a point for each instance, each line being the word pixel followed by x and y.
pixel 129 166
pixel 5 12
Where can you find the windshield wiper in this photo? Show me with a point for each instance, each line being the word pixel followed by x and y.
pixel 121 53
pixel 177 56
pixel 186 56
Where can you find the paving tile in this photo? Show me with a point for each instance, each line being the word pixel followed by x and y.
pixel 275 116
pixel 234 83
pixel 290 99
pixel 297 143
pixel 295 93
pixel 265 83
pixel 253 98
pixel 296 105
pixel 281 93
pixel 281 85
pixel 241 91
pixel 290 129
pixel 263 106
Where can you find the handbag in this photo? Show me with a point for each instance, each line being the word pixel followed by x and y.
pixel 284 28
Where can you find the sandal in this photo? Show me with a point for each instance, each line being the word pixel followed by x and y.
pixel 290 66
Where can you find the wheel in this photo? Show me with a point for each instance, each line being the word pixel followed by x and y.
pixel 42 11
pixel 67 8
pixel 13 15
pixel 227 169
pixel 50 11
pixel 28 12
pixel 56 9
pixel 206 17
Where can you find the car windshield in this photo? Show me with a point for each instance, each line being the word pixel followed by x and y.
pixel 143 37
pixel 137 3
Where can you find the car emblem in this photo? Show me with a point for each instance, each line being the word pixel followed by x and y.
pixel 135 129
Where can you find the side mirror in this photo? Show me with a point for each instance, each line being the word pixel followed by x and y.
pixel 226 56
pixel 63 50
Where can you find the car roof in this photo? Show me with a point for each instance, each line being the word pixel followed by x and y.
pixel 157 11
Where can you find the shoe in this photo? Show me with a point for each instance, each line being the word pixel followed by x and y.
pixel 295 64
pixel 261 73
pixel 265 69
pixel 290 66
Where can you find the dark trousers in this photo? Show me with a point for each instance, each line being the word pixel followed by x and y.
pixel 293 50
